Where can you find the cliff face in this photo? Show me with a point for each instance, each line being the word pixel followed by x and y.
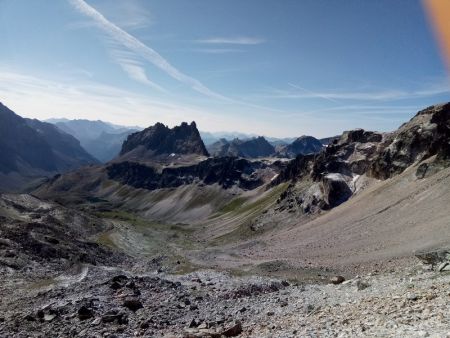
pixel 160 139
pixel 331 177
pixel 224 171
pixel 425 135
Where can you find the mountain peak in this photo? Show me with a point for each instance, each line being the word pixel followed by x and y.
pixel 160 139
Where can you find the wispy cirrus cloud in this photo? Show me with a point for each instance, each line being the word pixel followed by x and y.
pixel 297 92
pixel 133 44
pixel 239 40
pixel 35 96
pixel 129 14
pixel 133 67
pixel 217 50
pixel 136 72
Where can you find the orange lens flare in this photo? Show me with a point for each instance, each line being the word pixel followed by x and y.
pixel 439 14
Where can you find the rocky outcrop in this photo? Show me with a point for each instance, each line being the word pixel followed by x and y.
pixel 295 169
pixel 326 180
pixel 335 190
pixel 425 135
pixel 330 178
pixel 439 259
pixel 224 171
pixel 329 140
pixel 251 148
pixel 303 145
pixel 359 135
pixel 160 139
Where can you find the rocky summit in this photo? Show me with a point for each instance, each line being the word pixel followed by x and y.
pixel 160 139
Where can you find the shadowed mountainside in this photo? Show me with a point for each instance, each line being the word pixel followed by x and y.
pixel 31 149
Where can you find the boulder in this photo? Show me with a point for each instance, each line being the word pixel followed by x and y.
pixel 337 280
pixel 360 285
pixel 335 190
pixel 133 304
pixel 118 282
pixel 115 316
pixel 85 313
pixel 435 258
pixel 233 330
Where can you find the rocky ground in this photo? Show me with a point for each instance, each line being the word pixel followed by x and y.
pixel 100 301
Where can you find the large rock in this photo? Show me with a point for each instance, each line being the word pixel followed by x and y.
pixel 132 303
pixel 359 135
pixel 233 330
pixel 436 258
pixel 335 190
pixel 337 280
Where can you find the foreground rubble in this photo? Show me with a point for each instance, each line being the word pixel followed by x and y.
pixel 110 302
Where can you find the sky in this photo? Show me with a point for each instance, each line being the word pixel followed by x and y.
pixel 277 68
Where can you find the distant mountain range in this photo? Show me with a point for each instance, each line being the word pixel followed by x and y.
pixel 32 150
pixel 213 137
pixel 261 147
pixel 101 139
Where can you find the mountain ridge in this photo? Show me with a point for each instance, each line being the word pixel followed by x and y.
pixel 32 149
pixel 159 139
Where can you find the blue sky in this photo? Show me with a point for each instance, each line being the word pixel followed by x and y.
pixel 278 68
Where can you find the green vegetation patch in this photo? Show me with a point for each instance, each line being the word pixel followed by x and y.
pixel 249 212
pixel 233 205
